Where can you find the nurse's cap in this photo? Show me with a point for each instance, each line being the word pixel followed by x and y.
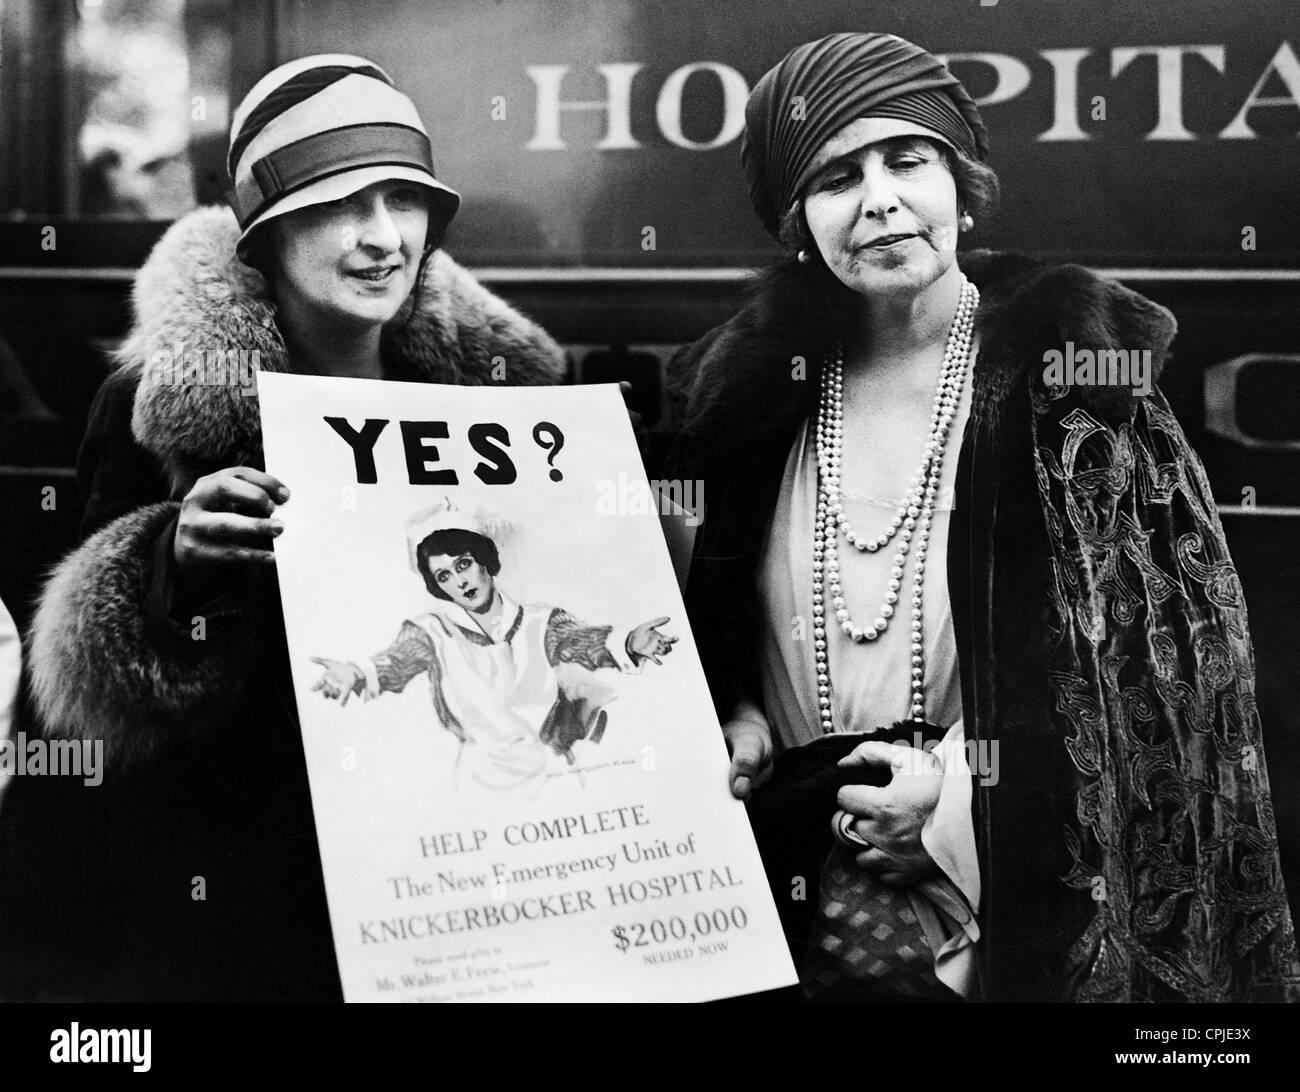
pixel 445 516
pixel 319 129
pixel 440 517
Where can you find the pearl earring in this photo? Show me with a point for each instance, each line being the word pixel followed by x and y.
pixel 803 257
pixel 967 221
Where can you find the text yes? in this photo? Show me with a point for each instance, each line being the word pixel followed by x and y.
pixel 489 439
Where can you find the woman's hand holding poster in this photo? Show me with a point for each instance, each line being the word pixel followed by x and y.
pixel 519 782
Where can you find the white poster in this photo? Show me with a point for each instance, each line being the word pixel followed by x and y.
pixel 519 782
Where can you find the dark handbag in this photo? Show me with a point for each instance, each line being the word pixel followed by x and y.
pixel 853 937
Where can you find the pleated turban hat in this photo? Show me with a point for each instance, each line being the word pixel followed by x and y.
pixel 820 87
pixel 320 128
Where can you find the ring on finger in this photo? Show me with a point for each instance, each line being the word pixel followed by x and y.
pixel 842 825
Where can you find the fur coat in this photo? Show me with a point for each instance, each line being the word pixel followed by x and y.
pixel 96 668
pixel 198 854
pixel 1128 850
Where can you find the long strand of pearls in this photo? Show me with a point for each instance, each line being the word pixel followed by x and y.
pixel 912 520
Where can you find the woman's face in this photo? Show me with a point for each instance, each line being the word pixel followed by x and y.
pixel 882 208
pixel 463 580
pixel 355 259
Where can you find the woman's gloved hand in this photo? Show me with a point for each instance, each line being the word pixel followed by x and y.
pixel 227 519
pixel 887 820
pixel 749 741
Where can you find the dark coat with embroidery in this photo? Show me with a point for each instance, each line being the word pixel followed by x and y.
pixel 1128 850
pixel 200 862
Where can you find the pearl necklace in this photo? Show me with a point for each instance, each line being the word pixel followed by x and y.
pixel 913 518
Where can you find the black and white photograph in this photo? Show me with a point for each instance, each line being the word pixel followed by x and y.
pixel 615 501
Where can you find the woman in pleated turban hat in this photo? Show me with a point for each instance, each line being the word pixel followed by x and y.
pixel 923 621
pixel 821 87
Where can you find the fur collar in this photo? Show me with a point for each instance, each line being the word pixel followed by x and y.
pixel 193 294
pixel 734 386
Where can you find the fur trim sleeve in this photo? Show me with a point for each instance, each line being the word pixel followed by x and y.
pixel 95 672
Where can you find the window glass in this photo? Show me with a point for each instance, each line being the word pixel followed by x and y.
pixel 116 108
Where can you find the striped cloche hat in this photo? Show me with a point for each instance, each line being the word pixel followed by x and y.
pixel 320 128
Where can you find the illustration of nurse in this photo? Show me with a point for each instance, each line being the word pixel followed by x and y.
pixel 494 666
